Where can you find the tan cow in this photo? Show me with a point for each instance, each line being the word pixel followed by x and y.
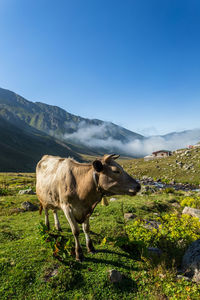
pixel 77 188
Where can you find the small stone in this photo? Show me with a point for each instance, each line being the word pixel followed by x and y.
pixel 26 192
pixel 129 216
pixel 115 276
pixel 113 199
pixel 176 205
pixel 172 182
pixel 28 206
pixel 151 224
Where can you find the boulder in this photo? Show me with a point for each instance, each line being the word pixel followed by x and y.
pixel 115 276
pixel 26 192
pixel 28 206
pixel 194 212
pixel 191 261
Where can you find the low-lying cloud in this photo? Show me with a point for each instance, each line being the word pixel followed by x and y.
pixel 96 136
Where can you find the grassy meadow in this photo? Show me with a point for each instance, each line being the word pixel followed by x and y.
pixel 36 264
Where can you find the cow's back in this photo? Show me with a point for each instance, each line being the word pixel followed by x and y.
pixel 50 175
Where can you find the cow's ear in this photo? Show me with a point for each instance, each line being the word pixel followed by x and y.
pixel 97 165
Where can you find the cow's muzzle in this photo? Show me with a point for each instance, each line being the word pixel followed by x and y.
pixel 135 190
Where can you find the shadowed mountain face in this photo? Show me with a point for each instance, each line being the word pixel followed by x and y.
pixel 59 123
pixel 21 147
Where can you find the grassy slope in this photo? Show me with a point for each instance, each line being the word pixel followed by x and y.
pixel 26 262
pixel 168 168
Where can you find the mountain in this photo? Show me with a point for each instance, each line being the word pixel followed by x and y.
pixel 30 130
pixel 192 136
pixel 56 121
pixel 21 147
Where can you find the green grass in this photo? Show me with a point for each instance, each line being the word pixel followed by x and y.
pixel 27 261
pixel 167 168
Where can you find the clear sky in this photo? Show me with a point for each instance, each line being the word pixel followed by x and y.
pixel 135 63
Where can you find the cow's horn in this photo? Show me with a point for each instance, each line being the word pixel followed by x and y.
pixel 108 157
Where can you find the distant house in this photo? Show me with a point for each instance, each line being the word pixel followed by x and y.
pixel 158 154
pixel 162 153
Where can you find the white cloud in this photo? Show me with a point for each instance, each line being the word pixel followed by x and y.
pixel 94 136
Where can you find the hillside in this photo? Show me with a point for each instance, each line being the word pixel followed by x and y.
pixel 21 146
pixel 181 167
pixel 56 121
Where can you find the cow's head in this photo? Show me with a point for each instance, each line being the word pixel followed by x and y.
pixel 113 179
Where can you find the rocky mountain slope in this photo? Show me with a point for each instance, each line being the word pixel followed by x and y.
pixel 182 167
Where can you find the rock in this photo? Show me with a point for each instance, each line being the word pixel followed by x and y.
pixel 28 206
pixel 153 251
pixel 148 189
pixel 191 261
pixel 26 192
pixel 113 199
pixel 183 277
pixel 176 205
pixel 51 273
pixel 115 276
pixel 17 210
pixel 172 182
pixel 129 216
pixel 151 224
pixel 194 212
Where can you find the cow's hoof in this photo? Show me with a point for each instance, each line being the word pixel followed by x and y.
pixel 90 247
pixel 80 258
pixel 59 229
pixel 92 250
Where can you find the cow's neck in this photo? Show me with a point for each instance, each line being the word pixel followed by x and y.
pixel 87 187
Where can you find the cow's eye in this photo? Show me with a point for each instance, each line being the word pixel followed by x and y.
pixel 116 172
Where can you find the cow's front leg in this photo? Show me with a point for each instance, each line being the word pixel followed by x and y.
pixel 47 218
pixel 86 230
pixel 57 223
pixel 75 230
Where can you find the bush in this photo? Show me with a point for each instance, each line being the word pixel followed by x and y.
pixel 62 246
pixel 191 202
pixel 173 235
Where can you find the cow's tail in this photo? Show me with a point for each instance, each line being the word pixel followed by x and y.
pixel 41 208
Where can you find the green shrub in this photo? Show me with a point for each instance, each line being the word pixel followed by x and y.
pixel 173 235
pixel 191 202
pixel 169 190
pixel 62 246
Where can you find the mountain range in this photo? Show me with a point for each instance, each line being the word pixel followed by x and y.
pixel 29 130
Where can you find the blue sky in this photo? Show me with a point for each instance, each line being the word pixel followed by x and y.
pixel 135 63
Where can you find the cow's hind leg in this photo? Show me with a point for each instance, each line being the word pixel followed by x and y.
pixel 75 230
pixel 57 223
pixel 86 230
pixel 47 218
